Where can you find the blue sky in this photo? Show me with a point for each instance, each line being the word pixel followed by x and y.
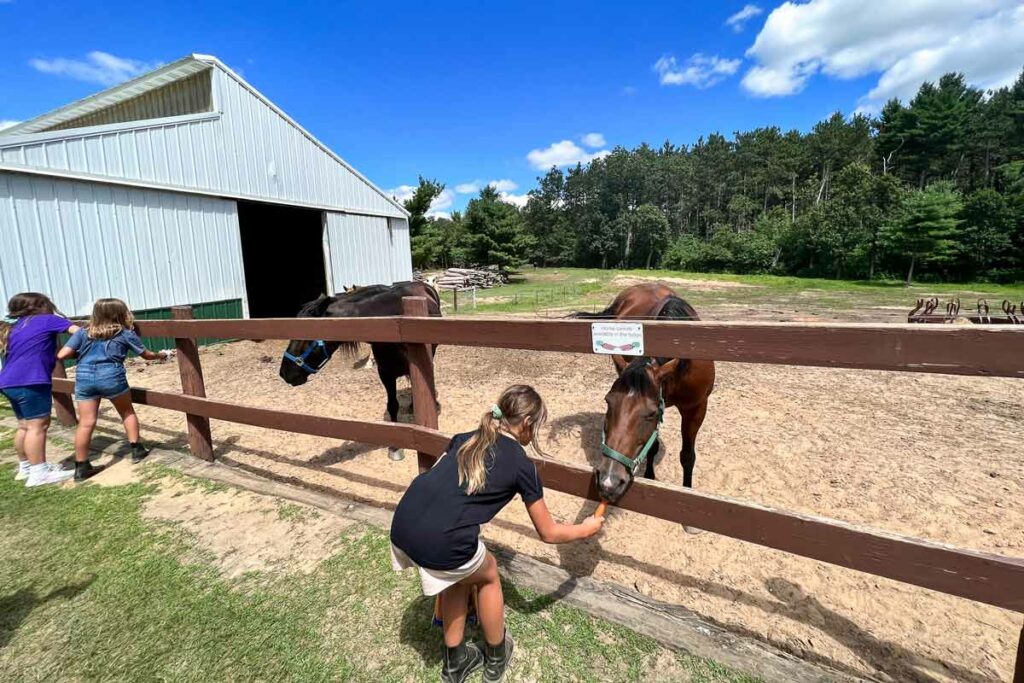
pixel 464 92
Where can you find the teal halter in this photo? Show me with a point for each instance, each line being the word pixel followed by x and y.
pixel 633 464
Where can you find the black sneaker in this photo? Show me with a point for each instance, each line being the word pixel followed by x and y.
pixel 496 660
pixel 139 453
pixel 84 470
pixel 459 663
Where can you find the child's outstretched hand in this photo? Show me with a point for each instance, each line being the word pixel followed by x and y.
pixel 591 525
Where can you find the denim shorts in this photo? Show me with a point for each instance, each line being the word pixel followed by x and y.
pixel 31 402
pixel 95 382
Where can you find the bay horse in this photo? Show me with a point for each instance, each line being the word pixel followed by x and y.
pixel 304 358
pixel 644 388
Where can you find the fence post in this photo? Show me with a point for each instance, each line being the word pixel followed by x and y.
pixel 455 299
pixel 62 403
pixel 421 376
pixel 200 441
pixel 1018 670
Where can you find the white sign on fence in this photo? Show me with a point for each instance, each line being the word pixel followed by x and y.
pixel 623 339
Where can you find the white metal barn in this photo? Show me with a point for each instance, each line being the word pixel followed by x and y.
pixel 187 186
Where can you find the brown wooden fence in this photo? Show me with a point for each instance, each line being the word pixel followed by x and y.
pixel 958 350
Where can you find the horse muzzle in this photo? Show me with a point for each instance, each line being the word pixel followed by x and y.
pixel 610 486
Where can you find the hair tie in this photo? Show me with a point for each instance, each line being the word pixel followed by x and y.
pixel 496 412
pixel 9 320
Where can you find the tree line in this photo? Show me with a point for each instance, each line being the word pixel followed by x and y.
pixel 930 189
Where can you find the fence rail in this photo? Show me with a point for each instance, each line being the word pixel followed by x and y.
pixel 976 350
pixel 988 350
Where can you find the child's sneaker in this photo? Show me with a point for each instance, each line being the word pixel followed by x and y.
pixel 22 473
pixel 496 660
pixel 84 470
pixel 459 663
pixel 139 453
pixel 45 473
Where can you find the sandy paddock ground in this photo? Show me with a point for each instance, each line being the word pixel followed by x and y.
pixel 923 455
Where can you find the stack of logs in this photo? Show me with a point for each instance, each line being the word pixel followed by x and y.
pixel 469 278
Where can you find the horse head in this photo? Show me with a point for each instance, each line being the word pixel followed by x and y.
pixel 305 357
pixel 636 408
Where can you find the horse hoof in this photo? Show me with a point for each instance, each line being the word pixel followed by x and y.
pixel 396 454
pixel 692 530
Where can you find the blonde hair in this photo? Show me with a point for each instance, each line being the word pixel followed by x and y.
pixel 109 317
pixel 515 405
pixel 21 306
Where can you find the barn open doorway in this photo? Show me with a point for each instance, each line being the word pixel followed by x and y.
pixel 283 256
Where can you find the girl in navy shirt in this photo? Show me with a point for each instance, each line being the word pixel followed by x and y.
pixel 436 526
pixel 101 349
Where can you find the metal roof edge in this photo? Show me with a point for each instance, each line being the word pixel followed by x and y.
pixel 53 117
pixel 214 61
pixel 88 131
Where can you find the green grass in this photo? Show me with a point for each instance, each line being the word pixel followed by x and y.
pixel 296 514
pixel 90 590
pixel 563 288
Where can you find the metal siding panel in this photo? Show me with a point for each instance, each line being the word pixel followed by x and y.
pixel 79 241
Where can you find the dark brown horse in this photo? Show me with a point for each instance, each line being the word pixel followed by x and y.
pixel 642 391
pixel 304 358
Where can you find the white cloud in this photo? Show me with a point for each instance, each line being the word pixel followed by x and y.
pixel 471 187
pixel 514 199
pixel 402 193
pixel 701 71
pixel 905 42
pixel 442 202
pixel 593 140
pixel 438 208
pixel 503 185
pixel 563 153
pixel 4 123
pixel 97 67
pixel 739 20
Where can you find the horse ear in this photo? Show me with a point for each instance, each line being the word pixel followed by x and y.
pixel 663 370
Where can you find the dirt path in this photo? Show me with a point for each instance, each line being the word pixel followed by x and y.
pixel 929 456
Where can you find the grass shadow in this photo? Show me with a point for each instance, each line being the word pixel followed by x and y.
pixel 17 606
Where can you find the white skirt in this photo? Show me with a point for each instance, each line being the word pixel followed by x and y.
pixel 437 580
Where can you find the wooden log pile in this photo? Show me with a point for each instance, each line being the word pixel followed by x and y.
pixel 469 278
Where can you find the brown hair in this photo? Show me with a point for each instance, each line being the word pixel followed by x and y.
pixel 22 306
pixel 109 317
pixel 516 404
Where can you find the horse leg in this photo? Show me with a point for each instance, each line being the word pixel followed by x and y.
pixel 692 420
pixel 649 466
pixel 391 387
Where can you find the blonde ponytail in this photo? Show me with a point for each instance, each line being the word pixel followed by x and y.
pixel 516 404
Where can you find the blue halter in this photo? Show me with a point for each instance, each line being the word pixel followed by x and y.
pixel 302 361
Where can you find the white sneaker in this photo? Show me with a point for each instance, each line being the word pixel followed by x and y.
pixel 20 475
pixel 51 475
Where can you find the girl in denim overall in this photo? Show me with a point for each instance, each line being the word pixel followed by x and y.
pixel 101 349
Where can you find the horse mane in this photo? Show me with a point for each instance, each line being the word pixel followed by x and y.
pixel 674 308
pixel 635 379
pixel 317 308
pixel 586 315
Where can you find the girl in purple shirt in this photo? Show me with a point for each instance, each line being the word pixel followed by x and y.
pixel 28 349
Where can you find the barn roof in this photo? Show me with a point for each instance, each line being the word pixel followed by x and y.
pixel 176 96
